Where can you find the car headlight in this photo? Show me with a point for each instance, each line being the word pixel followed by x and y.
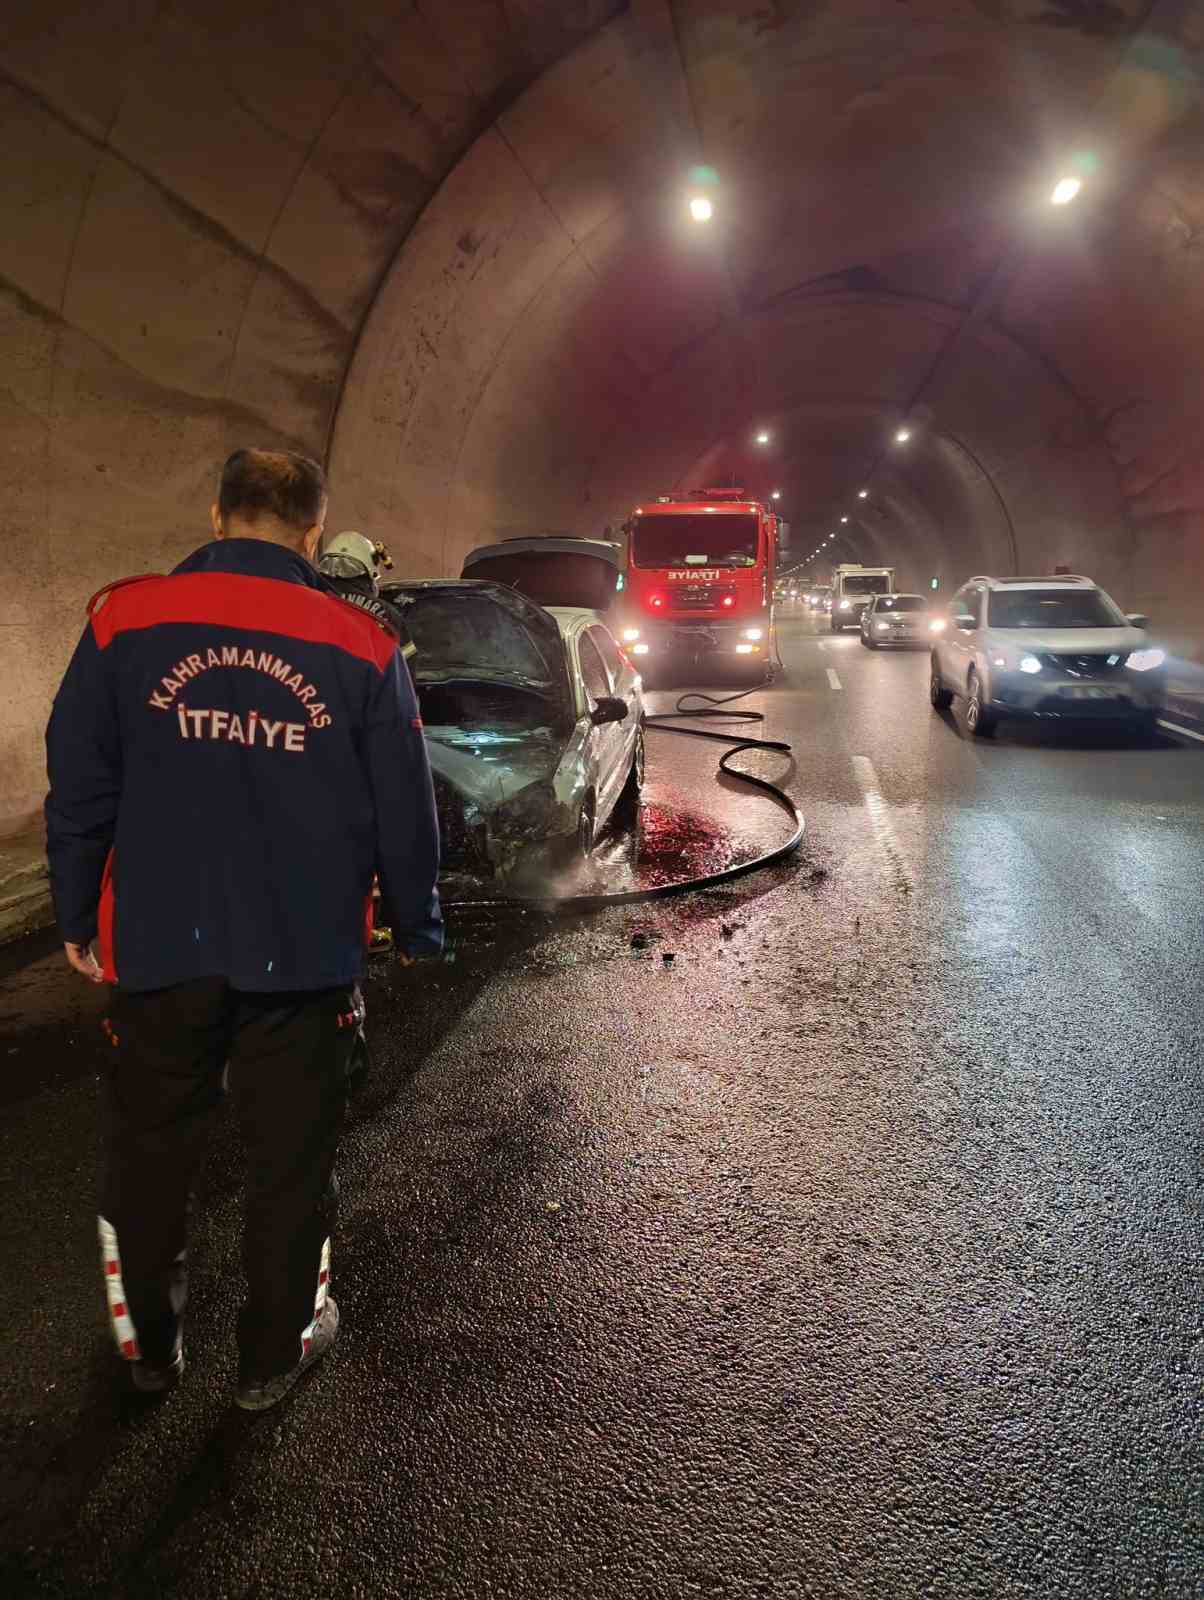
pixel 639 649
pixel 752 633
pixel 882 627
pixel 1146 660
pixel 1026 662
pixel 846 605
pixel 630 635
pixel 937 625
pixel 745 649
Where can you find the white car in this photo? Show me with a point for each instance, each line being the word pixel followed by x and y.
pixel 1054 648
pixel 896 619
pixel 534 722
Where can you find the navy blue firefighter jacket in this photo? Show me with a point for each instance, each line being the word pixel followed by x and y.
pixel 233 754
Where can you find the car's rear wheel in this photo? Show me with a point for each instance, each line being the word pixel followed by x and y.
pixel 979 719
pixel 941 697
pixel 627 808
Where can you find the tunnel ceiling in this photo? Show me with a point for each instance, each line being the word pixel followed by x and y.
pixel 445 247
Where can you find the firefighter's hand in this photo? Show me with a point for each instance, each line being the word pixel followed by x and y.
pixel 81 958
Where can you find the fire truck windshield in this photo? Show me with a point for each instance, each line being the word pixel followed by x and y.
pixel 695 539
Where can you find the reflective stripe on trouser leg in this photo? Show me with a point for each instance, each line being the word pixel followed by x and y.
pixel 319 1298
pixel 124 1331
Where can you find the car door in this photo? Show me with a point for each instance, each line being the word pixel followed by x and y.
pixel 604 744
pixel 625 686
pixel 961 636
pixel 610 743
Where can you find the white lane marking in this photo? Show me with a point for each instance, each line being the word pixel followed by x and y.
pixel 833 679
pixel 1186 732
pixel 879 815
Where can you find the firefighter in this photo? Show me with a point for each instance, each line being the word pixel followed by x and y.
pixel 351 565
pixel 233 756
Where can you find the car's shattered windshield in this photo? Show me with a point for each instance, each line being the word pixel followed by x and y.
pixel 461 635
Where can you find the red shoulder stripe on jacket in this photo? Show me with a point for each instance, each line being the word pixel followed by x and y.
pixel 256 605
pixel 101 595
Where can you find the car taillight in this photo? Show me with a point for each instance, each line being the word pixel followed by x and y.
pixel 655 602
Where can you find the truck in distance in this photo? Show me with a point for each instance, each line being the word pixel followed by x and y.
pixel 853 587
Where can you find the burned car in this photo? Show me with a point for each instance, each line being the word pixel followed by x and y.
pixel 534 722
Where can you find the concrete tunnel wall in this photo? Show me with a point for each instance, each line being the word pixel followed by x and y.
pixel 445 249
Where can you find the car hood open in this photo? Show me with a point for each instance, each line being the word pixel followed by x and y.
pixel 468 630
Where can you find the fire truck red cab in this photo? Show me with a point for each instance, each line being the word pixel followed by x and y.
pixel 698 580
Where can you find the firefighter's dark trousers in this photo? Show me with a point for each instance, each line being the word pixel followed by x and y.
pixel 288 1056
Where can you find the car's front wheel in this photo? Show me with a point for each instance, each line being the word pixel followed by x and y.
pixel 980 720
pixel 940 697
pixel 584 843
pixel 627 807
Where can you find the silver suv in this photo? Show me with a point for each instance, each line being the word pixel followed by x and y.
pixel 1044 647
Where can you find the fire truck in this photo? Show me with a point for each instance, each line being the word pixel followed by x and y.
pixel 699 580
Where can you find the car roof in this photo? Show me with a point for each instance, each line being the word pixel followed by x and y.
pixel 901 594
pixel 570 617
pixel 1063 580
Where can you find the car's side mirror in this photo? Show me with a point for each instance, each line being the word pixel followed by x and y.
pixel 1138 619
pixel 609 709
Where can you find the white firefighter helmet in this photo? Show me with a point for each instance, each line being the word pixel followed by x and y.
pixel 352 555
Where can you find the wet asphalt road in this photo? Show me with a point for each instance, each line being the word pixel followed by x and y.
pixel 857 1253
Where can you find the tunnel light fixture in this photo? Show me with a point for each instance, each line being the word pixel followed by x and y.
pixel 863 494
pixel 902 435
pixel 701 208
pixel 762 436
pixel 844 519
pixel 1065 190
pixel 776 495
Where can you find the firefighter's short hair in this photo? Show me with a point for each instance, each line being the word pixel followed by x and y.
pixel 273 483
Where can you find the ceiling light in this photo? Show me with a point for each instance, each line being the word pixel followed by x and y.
pixel 903 435
pixel 762 437
pixel 844 519
pixel 863 494
pixel 1065 191
pixel 776 495
pixel 701 208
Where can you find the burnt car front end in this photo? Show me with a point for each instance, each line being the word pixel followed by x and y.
pixel 494 691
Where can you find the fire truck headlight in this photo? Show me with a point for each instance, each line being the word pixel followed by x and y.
pixel 728 600
pixel 752 633
pixel 630 635
pixel 639 649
